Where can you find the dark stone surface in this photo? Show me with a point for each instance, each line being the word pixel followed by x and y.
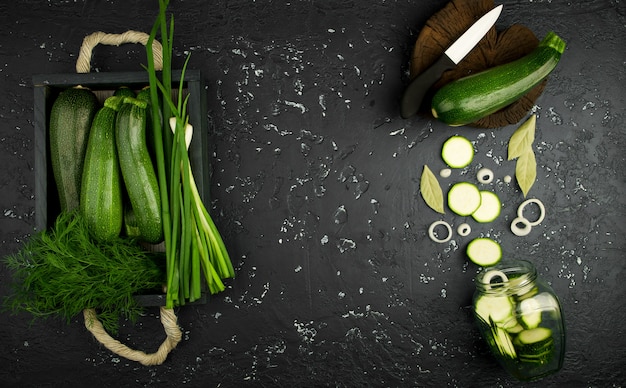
pixel 303 98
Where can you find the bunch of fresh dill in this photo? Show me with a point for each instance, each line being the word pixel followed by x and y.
pixel 63 270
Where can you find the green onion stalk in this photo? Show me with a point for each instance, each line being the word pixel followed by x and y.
pixel 193 245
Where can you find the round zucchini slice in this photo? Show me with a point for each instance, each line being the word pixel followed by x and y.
pixel 457 152
pixel 484 251
pixel 464 198
pixel 489 208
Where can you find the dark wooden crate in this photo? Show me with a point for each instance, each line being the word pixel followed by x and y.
pixel 46 89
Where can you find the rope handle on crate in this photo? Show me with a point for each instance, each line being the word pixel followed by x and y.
pixel 169 321
pixel 83 63
pixel 168 317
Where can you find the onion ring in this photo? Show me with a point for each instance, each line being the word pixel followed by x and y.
pixel 464 229
pixel 542 211
pixel 486 280
pixel 431 231
pixel 521 231
pixel 484 175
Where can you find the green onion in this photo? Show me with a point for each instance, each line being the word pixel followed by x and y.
pixel 193 245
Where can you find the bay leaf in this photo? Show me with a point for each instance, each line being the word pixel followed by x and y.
pixel 522 139
pixel 526 170
pixel 431 190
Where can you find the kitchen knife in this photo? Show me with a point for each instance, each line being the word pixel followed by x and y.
pixel 414 93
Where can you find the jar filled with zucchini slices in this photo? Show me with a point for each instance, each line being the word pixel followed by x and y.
pixel 520 318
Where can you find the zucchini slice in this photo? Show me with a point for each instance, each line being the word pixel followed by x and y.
pixel 464 198
pixel 484 251
pixel 498 308
pixel 504 343
pixel 530 313
pixel 535 345
pixel 534 336
pixel 489 208
pixel 457 152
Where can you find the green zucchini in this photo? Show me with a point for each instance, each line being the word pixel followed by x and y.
pixel 138 170
pixel 535 345
pixel 495 308
pixel 504 343
pixel 130 223
pixel 530 312
pixel 70 121
pixel 478 95
pixel 457 152
pixel 535 340
pixel 464 198
pixel 489 208
pixel 101 190
pixel 484 251
pixel 124 91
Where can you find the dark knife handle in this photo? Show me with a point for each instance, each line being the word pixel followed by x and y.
pixel 414 93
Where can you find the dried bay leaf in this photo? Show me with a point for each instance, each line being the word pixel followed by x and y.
pixel 431 190
pixel 526 170
pixel 522 139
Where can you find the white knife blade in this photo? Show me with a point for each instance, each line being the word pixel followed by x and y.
pixel 414 93
pixel 470 38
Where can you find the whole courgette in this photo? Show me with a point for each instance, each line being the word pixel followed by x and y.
pixel 70 121
pixel 124 91
pixel 473 97
pixel 101 187
pixel 137 168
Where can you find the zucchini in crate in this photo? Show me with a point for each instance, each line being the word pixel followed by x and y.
pixel 101 191
pixel 478 95
pixel 124 91
pixel 138 171
pixel 70 120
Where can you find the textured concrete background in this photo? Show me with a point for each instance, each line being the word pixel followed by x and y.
pixel 315 188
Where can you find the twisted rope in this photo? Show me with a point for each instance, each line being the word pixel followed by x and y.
pixel 168 317
pixel 83 63
pixel 169 321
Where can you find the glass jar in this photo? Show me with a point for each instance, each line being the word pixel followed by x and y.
pixel 520 318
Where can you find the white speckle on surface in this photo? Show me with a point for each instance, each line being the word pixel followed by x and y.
pixel 341 215
pixel 321 100
pixel 296 105
pixel 239 52
pixel 346 244
pixel 426 279
pixel 306 331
